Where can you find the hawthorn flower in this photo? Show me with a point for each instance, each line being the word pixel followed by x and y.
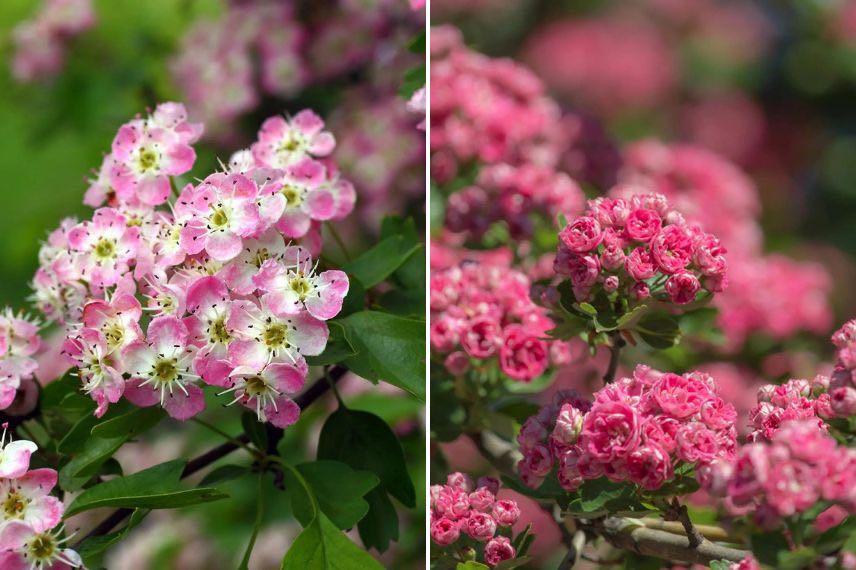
pixel 117 320
pixel 223 210
pixel 240 272
pixel 268 391
pixel 270 337
pixel 24 548
pixel 14 455
pixel 283 143
pixel 161 370
pixel 309 196
pixel 291 286
pixel 146 152
pixel 104 247
pixel 211 308
pixel 98 367
pixel 26 499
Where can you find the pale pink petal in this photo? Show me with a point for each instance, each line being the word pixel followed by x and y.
pixel 248 353
pixel 294 223
pixel 285 378
pixel 285 414
pixel 206 292
pixel 193 237
pixel 143 396
pixel 44 513
pixel 308 122
pixel 38 482
pixel 166 333
pixel 15 458
pixel 323 144
pixel 223 246
pixel 179 159
pixel 153 190
pixel 333 287
pixel 183 406
pixel 310 334
pixel 320 204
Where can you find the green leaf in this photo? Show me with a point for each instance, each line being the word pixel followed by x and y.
pixel 659 331
pixel 471 565
pixel 380 525
pixel 414 78
pixel 549 489
pixel 720 565
pixel 388 348
pixel 92 549
pixel 224 473
pixel 797 559
pixel 366 442
pixel 321 546
pixel 766 547
pixel 379 262
pixel 255 430
pixel 512 563
pixel 599 495
pixel 153 488
pixel 588 309
pixel 629 319
pixel 339 490
pixel 338 348
pixel 131 424
pixel 74 474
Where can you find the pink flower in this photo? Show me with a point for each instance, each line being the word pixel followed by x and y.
pixel 522 356
pixel 696 443
pixel 791 487
pixel 482 499
pixel 210 308
pixel 480 526
pixel 582 235
pixel 642 225
pixel 160 370
pixel 291 286
pixel 99 367
pixel 104 247
pixel 285 142
pixel 310 195
pixel 611 431
pixel 680 396
pixel 639 264
pixel 25 548
pixel 240 271
pixel 222 211
pixel 844 401
pixel 505 512
pixel 683 287
pixel 497 550
pixel 15 456
pixel 145 155
pixel 649 466
pixel 268 390
pixel 460 480
pixel 672 248
pixel 569 424
pixel 26 498
pixel 445 531
pixel 709 255
pixel 482 338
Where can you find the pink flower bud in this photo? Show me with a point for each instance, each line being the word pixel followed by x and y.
pixel 445 531
pixel 498 550
pixel 480 526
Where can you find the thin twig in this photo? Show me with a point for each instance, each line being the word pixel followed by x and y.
pixel 200 462
pixel 679 512
pixel 614 351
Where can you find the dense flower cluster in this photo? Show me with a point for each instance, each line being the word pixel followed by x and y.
pixel 482 313
pixel 638 429
pixel 463 509
pixel 224 67
pixel 641 247
pixel 514 195
pixel 818 400
pixel 19 343
pixel 31 517
pixel 477 127
pixel 232 304
pixel 710 191
pixel 215 68
pixel 798 467
pixel 40 43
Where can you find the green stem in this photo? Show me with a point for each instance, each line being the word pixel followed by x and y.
pixel 225 436
pixel 258 525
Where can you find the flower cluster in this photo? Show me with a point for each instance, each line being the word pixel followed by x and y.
pixel 30 518
pixel 477 127
pixel 798 467
pixel 19 342
pixel 463 509
pixel 40 43
pixel 640 247
pixel 818 400
pixel 232 304
pixel 481 313
pixel 514 195
pixel 638 429
pixel 215 66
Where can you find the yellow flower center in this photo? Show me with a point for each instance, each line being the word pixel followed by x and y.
pixel 148 159
pixel 13 506
pixel 105 248
pixel 42 547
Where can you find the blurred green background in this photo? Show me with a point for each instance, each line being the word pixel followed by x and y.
pixel 53 134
